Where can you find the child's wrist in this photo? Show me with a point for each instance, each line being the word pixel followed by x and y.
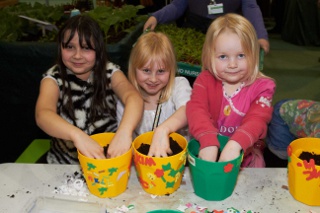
pixel 232 144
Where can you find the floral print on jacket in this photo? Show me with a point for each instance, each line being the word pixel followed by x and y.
pixel 302 117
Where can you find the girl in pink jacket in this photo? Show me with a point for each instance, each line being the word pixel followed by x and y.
pixel 231 96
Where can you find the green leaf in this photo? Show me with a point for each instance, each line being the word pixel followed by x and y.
pixel 113 21
pixel 186 41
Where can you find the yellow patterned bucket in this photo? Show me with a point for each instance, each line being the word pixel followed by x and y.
pixel 106 177
pixel 303 175
pixel 159 175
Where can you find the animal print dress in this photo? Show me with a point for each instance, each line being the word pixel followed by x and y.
pixel 63 151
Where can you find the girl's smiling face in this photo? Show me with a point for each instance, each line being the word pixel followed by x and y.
pixel 80 60
pixel 152 78
pixel 230 60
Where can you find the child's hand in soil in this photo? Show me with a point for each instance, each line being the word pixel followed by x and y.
pixel 209 153
pixel 230 151
pixel 120 144
pixel 160 146
pixel 87 146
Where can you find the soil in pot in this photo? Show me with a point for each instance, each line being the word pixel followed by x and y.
pixel 174 146
pixel 105 150
pixel 308 156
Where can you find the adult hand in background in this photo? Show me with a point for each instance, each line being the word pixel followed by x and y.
pixel 151 23
pixel 264 44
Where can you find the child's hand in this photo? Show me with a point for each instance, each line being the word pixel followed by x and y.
pixel 209 153
pixel 89 147
pixel 160 146
pixel 230 151
pixel 119 145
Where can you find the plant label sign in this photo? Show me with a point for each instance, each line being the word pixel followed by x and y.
pixel 44 25
pixel 185 69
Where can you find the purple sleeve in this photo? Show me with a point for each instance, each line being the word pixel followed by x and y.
pixel 252 12
pixel 171 12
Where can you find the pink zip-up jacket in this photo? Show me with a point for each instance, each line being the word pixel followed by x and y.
pixel 204 107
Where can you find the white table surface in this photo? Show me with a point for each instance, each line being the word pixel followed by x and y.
pixel 25 187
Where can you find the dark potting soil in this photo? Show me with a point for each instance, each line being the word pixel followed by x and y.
pixel 105 150
pixel 174 146
pixel 308 156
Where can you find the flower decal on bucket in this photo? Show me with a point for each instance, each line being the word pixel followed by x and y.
pixel 164 172
pixel 228 167
pixel 159 175
pixel 310 169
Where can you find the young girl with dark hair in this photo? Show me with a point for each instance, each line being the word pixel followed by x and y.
pixel 78 96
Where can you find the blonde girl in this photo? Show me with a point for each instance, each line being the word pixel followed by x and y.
pixel 152 71
pixel 231 96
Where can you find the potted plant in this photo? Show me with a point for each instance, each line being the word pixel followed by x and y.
pixel 188 46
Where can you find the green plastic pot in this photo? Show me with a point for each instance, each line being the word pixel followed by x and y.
pixel 213 181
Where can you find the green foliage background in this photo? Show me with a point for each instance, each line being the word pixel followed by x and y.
pixel 186 41
pixel 113 21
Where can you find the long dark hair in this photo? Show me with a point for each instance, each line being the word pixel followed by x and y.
pixel 92 35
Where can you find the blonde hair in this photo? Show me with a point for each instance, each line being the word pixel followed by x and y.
pixel 157 48
pixel 249 41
